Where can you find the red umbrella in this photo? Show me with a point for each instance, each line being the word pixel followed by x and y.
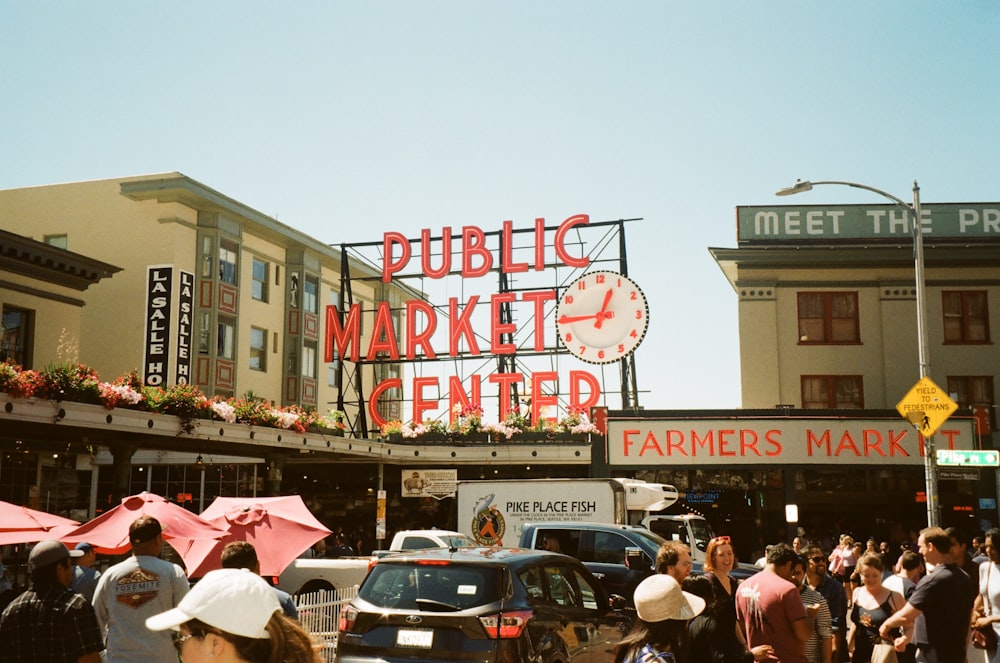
pixel 280 529
pixel 19 524
pixel 108 533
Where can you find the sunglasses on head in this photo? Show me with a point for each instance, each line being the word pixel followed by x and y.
pixel 722 539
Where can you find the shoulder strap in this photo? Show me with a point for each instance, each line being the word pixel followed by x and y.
pixel 986 594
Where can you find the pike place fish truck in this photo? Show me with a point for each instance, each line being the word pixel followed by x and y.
pixel 494 512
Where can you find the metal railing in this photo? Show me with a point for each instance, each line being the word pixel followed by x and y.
pixel 319 614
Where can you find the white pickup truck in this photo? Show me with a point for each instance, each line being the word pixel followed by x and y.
pixel 312 575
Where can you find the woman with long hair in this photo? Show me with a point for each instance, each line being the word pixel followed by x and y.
pixel 234 616
pixel 708 640
pixel 872 604
pixel 660 633
pixel 987 608
pixel 719 561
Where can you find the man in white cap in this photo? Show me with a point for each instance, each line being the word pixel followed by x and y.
pixel 229 615
pixel 139 587
pixel 49 623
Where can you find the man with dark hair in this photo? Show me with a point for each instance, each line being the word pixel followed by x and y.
pixel 133 590
pixel 836 598
pixel 769 608
pixel 905 580
pixel 674 559
pixel 242 555
pixel 49 623
pixel 940 608
pixel 819 648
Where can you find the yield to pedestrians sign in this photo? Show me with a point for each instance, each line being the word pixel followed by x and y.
pixel 926 406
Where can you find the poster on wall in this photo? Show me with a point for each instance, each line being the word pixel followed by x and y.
pixel 438 484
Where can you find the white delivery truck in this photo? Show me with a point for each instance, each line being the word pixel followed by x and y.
pixel 493 512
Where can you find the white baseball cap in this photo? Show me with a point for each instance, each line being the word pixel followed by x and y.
pixel 659 597
pixel 235 601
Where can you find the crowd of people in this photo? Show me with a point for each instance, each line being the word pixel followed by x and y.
pixel 808 605
pixel 805 605
pixel 144 610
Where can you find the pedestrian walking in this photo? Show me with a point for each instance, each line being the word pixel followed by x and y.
pixel 940 607
pixel 819 647
pixel 660 633
pixel 986 613
pixel 242 555
pixel 871 605
pixel 133 590
pixel 770 609
pixel 674 559
pixel 233 616
pixel 708 640
pixel 50 623
pixel 833 592
pixel 85 576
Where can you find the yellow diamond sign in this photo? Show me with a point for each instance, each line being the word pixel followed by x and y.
pixel 926 406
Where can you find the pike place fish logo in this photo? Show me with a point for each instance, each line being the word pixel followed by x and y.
pixel 137 588
pixel 488 524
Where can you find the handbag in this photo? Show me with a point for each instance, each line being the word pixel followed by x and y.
pixel 883 653
pixel 984 637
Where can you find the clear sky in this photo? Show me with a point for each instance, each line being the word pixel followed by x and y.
pixel 345 120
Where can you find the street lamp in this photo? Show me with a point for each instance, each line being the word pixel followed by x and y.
pixel 930 463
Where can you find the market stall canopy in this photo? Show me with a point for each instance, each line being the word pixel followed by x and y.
pixel 19 524
pixel 280 529
pixel 108 533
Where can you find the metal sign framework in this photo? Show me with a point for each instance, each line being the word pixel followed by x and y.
pixel 603 242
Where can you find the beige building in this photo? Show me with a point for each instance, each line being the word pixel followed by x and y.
pixel 211 292
pixel 827 318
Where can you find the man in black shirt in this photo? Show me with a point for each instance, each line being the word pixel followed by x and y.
pixel 940 608
pixel 49 623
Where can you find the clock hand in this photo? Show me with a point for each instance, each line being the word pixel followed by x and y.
pixel 576 318
pixel 603 314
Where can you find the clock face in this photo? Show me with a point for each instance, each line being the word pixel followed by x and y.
pixel 602 317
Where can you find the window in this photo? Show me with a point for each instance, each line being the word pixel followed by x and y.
pixel 58 241
pixel 828 317
pixel 226 338
pixel 839 392
pixel 258 349
pixel 227 261
pixel 309 360
pixel 18 333
pixel 310 295
pixel 206 257
pixel 966 316
pixel 259 288
pixel 972 391
pixel 205 333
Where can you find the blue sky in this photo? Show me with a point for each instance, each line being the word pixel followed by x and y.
pixel 345 120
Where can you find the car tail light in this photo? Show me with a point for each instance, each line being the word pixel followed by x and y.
pixel 372 561
pixel 504 625
pixel 347 616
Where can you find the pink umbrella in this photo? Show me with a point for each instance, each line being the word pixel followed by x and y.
pixel 19 524
pixel 108 533
pixel 280 528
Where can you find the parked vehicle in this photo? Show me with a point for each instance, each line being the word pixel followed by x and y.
pixel 495 511
pixel 481 604
pixel 312 575
pixel 419 539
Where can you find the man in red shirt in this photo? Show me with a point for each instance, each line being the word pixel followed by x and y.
pixel 770 609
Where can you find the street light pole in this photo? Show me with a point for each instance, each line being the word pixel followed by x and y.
pixel 930 462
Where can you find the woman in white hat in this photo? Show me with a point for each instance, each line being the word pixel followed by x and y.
pixel 659 636
pixel 233 616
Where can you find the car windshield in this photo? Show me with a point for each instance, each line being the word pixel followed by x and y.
pixel 431 587
pixel 650 541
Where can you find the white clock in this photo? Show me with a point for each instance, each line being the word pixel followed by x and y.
pixel 602 317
